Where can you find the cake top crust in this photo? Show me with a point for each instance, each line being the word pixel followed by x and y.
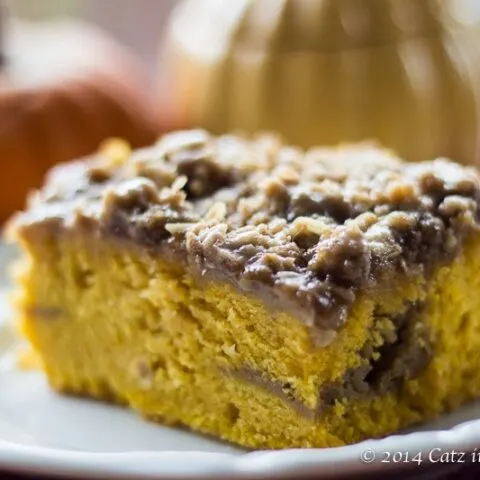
pixel 306 230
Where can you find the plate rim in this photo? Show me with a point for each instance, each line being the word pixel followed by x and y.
pixel 323 463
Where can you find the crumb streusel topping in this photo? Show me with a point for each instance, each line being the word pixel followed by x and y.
pixel 307 229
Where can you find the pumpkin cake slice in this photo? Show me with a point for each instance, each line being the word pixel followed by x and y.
pixel 265 295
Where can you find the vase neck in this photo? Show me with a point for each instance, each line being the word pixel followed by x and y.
pixel 332 25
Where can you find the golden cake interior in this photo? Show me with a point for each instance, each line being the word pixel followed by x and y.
pixel 120 323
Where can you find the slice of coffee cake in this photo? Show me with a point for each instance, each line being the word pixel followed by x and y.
pixel 252 291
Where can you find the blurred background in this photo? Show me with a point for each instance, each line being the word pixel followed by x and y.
pixel 403 73
pixel 74 73
pixel 137 23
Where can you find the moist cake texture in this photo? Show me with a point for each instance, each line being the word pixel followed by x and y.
pixel 246 289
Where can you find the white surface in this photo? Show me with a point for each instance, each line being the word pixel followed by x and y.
pixel 43 432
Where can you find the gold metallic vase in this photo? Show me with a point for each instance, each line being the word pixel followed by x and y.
pixel 403 72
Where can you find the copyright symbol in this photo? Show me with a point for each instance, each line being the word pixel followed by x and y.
pixel 367 456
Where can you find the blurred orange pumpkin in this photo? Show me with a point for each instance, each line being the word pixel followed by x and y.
pixel 64 88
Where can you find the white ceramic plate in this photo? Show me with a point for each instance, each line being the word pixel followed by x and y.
pixel 44 432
